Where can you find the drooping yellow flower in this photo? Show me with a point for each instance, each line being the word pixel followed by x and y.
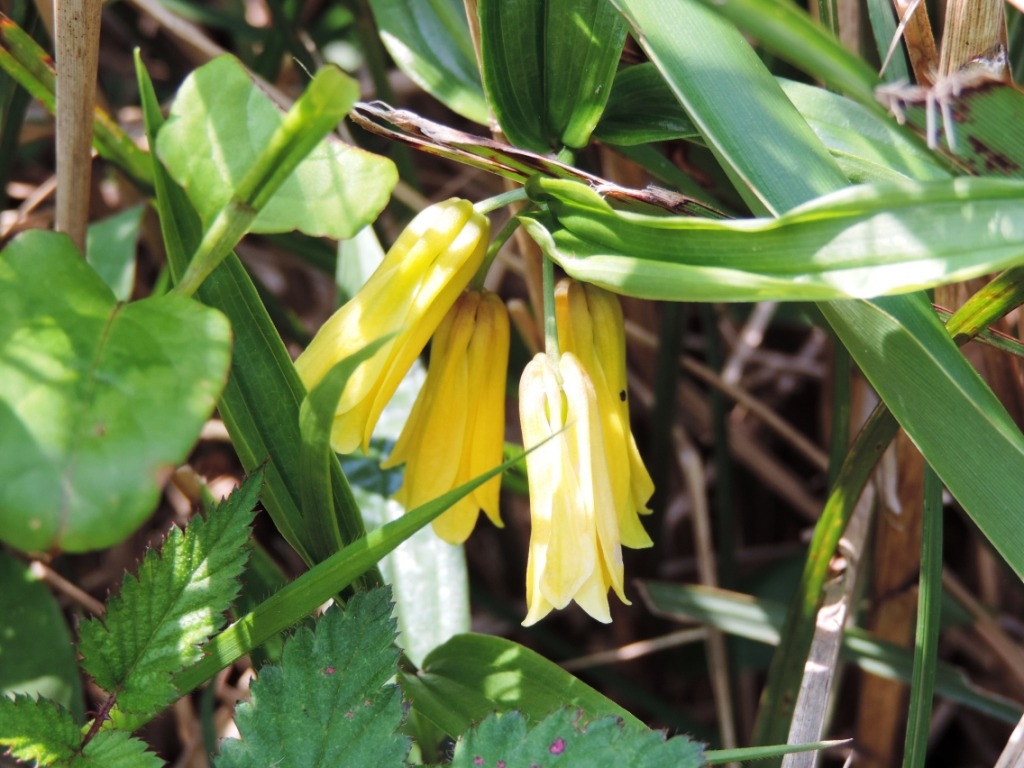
pixel 575 547
pixel 415 285
pixel 456 429
pixel 591 326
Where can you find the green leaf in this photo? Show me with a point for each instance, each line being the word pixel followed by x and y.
pixel 37 730
pixel 427 575
pixel 209 150
pixel 260 404
pixel 116 749
pixel 763 621
pixel 316 418
pixel 153 628
pixel 859 242
pixel 430 42
pixel 866 146
pixel 99 401
pixel 737 105
pixel 110 249
pixel 548 67
pixel 36 653
pixel 329 703
pixel 789 32
pixel 472 675
pixel 563 737
pixel 642 108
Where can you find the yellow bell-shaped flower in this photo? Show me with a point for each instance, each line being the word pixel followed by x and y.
pixel 575 547
pixel 591 326
pixel 456 429
pixel 415 285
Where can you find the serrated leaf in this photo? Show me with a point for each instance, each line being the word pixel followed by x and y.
pixel 37 730
pixel 328 703
pixel 116 749
pixel 36 653
pixel 219 125
pixel 153 628
pixel 564 738
pixel 98 400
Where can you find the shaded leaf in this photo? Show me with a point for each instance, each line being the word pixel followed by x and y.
pixel 329 703
pixel 564 738
pixel 36 653
pixel 154 627
pixel 430 42
pixel 472 675
pixel 98 401
pixel 110 249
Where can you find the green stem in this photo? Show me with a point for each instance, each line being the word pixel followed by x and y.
pixel 550 325
pixel 492 252
pixel 218 241
pixel 500 201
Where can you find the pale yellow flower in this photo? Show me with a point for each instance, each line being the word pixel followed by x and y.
pixel 575 547
pixel 419 280
pixel 591 326
pixel 456 429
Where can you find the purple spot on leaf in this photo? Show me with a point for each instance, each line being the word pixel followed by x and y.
pixel 558 746
pixel 328 670
pixel 478 760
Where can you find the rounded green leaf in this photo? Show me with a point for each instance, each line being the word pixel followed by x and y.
pixel 99 401
pixel 221 122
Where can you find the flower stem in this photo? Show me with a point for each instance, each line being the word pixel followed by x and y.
pixel 550 326
pixel 500 201
pixel 492 251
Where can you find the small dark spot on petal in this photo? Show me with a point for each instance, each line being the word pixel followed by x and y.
pixel 622 395
pixel 558 746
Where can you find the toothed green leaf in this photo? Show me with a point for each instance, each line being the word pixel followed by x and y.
pixel 37 730
pixel 328 703
pixel 116 749
pixel 562 738
pixel 153 628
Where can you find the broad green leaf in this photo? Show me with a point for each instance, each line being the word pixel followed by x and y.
pixel 260 404
pixel 36 653
pixel 548 67
pixel 430 42
pixel 565 737
pixel 99 401
pixel 642 108
pixel 218 127
pixel 153 628
pixel 329 703
pixel 763 621
pixel 740 110
pixel 472 675
pixel 947 409
pixel 859 242
pixel 789 32
pixel 110 249
pixel 37 730
pixel 865 145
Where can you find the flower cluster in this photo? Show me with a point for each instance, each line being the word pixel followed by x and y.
pixel 588 485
